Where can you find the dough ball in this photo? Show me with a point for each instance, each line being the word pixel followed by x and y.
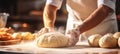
pixel 119 42
pixel 108 41
pixel 52 39
pixel 116 35
pixel 27 36
pixel 17 35
pixel 94 39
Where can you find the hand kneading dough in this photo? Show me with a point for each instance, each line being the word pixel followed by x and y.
pixel 108 41
pixel 53 39
pixel 94 39
pixel 116 35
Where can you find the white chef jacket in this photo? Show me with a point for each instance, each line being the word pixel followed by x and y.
pixel 79 10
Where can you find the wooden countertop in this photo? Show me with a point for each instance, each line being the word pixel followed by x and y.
pixel 80 48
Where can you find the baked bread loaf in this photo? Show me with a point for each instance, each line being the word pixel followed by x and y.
pixel 4 36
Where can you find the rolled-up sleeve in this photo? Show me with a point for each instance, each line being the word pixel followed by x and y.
pixel 109 3
pixel 56 3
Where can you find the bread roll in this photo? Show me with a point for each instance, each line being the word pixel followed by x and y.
pixel 17 35
pixel 119 42
pixel 27 36
pixel 116 35
pixel 94 39
pixel 108 41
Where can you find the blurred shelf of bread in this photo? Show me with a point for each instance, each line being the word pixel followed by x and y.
pixel 24 23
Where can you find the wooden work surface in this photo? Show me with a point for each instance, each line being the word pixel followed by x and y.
pixel 80 48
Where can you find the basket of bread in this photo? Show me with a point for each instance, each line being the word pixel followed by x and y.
pixel 9 37
pixel 6 37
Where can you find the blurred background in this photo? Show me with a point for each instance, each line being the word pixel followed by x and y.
pixel 26 15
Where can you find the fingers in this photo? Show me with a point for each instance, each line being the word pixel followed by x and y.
pixel 76 32
pixel 45 30
pixel 73 36
pixel 73 32
pixel 72 41
pixel 42 31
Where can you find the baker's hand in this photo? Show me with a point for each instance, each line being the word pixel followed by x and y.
pixel 45 30
pixel 73 36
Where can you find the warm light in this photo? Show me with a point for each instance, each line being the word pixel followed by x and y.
pixel 24 25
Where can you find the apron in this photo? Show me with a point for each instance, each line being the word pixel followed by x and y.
pixel 79 10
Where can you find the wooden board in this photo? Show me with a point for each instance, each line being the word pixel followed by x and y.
pixel 80 48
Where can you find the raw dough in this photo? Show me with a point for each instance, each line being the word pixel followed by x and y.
pixel 94 39
pixel 52 39
pixel 27 36
pixel 119 42
pixel 116 35
pixel 108 41
pixel 17 35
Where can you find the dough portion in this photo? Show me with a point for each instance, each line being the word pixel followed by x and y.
pixel 119 42
pixel 17 35
pixel 116 35
pixel 108 41
pixel 52 40
pixel 94 39
pixel 27 36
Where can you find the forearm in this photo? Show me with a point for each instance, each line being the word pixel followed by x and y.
pixel 49 16
pixel 95 18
